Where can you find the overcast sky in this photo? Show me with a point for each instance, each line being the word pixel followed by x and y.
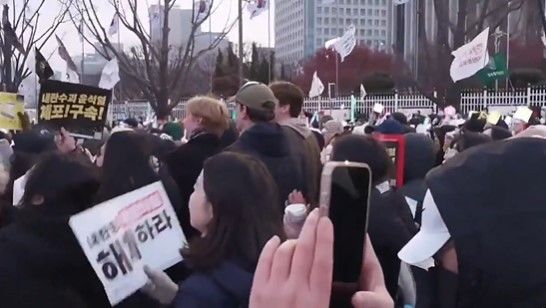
pixel 256 29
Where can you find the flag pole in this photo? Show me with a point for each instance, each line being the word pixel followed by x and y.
pixel 120 88
pixel 83 55
pixel 337 74
pixel 210 45
pixel 269 38
pixel 240 16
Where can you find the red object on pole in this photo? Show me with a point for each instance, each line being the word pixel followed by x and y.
pixel 396 149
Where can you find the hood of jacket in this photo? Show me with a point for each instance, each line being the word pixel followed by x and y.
pixel 298 125
pixel 491 198
pixel 420 156
pixel 267 139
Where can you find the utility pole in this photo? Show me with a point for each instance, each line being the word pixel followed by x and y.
pixel 240 8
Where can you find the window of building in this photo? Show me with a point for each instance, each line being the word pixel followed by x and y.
pixel 326 20
pixel 376 2
pixel 326 31
pixel 348 11
pixel 376 32
pixel 319 42
pixel 369 32
pixel 384 23
pixel 362 42
pixel 334 21
pixel 376 13
pixel 383 13
pixel 370 22
pixel 369 42
pixel 355 12
pixel 370 11
pixel 355 2
pixel 362 32
pixel 327 10
pixel 341 1
pixel 348 21
pixel 376 22
pixel 319 20
pixel 319 10
pixel 362 12
pixel 362 2
pixel 370 2
pixel 383 33
pixel 362 22
pixel 384 2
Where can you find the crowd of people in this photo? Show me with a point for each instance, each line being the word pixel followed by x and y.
pixel 464 229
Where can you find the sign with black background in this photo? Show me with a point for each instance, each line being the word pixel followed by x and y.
pixel 80 109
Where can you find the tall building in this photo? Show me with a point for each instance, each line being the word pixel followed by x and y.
pixel 179 24
pixel 302 27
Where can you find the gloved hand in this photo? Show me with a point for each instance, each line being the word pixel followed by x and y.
pixel 159 287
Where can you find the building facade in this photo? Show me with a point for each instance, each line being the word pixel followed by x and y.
pixel 302 27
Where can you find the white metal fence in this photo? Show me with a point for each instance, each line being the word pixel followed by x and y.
pixel 502 101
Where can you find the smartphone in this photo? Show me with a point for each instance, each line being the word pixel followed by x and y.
pixel 345 198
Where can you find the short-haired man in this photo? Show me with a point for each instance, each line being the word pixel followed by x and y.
pixel 262 138
pixel 303 142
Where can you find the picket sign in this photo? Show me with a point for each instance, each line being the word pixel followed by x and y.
pixel 120 236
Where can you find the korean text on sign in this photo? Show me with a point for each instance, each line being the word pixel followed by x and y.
pixel 122 235
pixel 74 106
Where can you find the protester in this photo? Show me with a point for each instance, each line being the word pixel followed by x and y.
pixel 483 233
pixel 234 206
pixel 205 122
pixel 498 133
pixel 263 139
pixel 390 223
pixel 332 129
pixel 302 141
pixel 41 263
pixel 468 140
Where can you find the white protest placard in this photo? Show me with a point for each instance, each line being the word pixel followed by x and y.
pixel 122 235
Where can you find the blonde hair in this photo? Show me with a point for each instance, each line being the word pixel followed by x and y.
pixel 214 114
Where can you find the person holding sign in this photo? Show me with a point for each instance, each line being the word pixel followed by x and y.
pixel 234 207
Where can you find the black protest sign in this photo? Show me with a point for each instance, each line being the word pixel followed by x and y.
pixel 80 109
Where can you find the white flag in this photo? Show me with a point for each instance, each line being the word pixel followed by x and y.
pixel 345 45
pixel 110 75
pixel 114 26
pixel 201 9
pixel 398 2
pixel 317 87
pixel 470 58
pixel 362 92
pixel 256 7
pixel 72 76
pixel 331 43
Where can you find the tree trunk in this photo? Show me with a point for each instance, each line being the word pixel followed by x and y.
pixel 7 83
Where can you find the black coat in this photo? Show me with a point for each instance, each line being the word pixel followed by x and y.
pixel 390 226
pixel 226 286
pixel 492 199
pixel 184 166
pixel 42 265
pixel 268 142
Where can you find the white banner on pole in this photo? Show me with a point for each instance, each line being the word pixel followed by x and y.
pixel 122 235
pixel 470 58
pixel 345 44
pixel 317 87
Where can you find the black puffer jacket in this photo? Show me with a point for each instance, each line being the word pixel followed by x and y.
pixel 268 142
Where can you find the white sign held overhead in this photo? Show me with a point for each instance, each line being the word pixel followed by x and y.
pixel 120 236
pixel 470 58
pixel 317 87
pixel 399 2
